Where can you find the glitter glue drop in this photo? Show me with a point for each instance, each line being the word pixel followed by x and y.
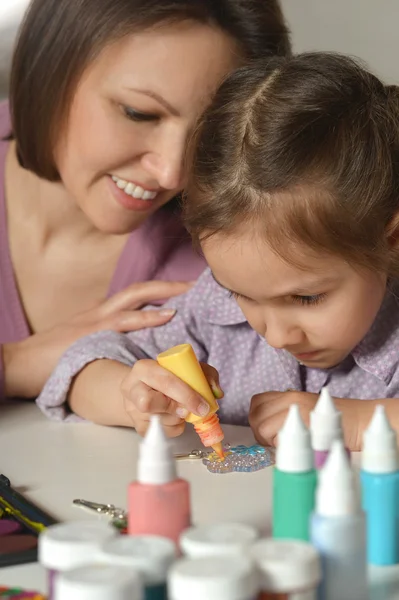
pixel 325 427
pixel 99 582
pixel 294 479
pixel 338 530
pixel 380 490
pixel 214 578
pixel 216 539
pixel 69 545
pixel 150 555
pixel 289 569
pixel 158 502
pixel 182 362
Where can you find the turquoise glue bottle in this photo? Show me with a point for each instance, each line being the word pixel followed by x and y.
pixel 338 530
pixel 380 490
pixel 294 479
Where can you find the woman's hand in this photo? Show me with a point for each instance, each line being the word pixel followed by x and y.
pixel 268 412
pixel 29 363
pixel 150 389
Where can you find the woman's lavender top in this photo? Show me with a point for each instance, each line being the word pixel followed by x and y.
pixel 213 323
pixel 159 249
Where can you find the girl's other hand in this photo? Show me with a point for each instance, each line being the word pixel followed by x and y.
pixel 29 363
pixel 151 389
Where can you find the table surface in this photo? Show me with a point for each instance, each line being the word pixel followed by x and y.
pixel 53 463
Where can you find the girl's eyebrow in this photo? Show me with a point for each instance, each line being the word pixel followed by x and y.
pixel 294 292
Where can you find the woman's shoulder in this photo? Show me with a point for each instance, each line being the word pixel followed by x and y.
pixel 5 120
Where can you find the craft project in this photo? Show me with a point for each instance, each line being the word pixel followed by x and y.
pixel 240 459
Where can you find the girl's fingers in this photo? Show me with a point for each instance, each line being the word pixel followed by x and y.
pixel 212 376
pixel 148 400
pixel 158 378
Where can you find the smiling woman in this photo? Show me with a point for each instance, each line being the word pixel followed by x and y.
pixel 103 96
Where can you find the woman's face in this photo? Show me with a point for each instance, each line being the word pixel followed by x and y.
pixel 121 153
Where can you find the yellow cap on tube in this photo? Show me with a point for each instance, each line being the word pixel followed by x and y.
pixel 182 362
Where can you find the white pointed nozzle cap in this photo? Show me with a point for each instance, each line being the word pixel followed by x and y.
pixel 294 452
pixel 156 464
pixel 380 451
pixel 337 494
pixel 325 422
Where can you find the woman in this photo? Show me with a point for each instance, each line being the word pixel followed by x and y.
pixel 103 97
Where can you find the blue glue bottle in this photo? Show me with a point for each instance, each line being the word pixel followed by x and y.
pixel 294 479
pixel 380 490
pixel 338 530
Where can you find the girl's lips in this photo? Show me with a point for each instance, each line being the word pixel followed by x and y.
pixel 307 355
pixel 133 204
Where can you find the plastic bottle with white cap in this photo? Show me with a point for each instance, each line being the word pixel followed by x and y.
pixel 325 427
pixel 68 545
pixel 213 578
pixel 294 479
pixel 380 489
pixel 217 538
pixel 288 568
pixel 159 501
pixel 150 555
pixel 99 582
pixel 338 530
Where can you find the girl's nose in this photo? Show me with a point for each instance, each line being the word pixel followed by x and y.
pixel 280 335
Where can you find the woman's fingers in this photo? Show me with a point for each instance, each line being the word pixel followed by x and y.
pixel 138 319
pixel 139 294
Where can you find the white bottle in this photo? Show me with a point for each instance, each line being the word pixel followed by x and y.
pixel 68 545
pixel 338 530
pixel 214 578
pixel 288 568
pixel 325 426
pixel 99 582
pixel 217 538
pixel 150 555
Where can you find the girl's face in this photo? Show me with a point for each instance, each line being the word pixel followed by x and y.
pixel 318 315
pixel 120 155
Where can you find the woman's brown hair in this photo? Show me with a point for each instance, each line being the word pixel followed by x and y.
pixel 59 38
pixel 304 150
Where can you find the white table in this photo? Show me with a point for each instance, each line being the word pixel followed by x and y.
pixel 52 463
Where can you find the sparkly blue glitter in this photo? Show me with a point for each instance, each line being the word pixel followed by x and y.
pixel 240 459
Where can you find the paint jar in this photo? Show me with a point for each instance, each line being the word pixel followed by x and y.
pixel 98 582
pixel 288 569
pixel 150 555
pixel 69 545
pixel 214 578
pixel 216 539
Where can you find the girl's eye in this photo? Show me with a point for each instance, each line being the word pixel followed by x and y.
pixel 134 115
pixel 237 296
pixel 309 300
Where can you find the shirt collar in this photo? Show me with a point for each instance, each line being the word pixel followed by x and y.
pixel 221 308
pixel 378 352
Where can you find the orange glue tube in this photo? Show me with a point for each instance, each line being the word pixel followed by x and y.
pixel 158 501
pixel 182 362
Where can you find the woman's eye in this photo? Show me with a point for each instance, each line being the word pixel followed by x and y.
pixel 134 115
pixel 309 300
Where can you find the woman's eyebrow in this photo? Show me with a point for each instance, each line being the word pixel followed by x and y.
pixel 157 98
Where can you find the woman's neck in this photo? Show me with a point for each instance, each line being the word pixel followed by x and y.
pixel 48 207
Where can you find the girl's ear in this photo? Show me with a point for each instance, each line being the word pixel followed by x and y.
pixel 392 232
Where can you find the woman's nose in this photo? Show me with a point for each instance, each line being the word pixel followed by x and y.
pixel 166 164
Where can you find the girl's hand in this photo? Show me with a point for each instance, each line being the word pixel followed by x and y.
pixel 29 363
pixel 151 389
pixel 269 410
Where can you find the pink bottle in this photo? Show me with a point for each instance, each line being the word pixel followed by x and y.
pixel 158 502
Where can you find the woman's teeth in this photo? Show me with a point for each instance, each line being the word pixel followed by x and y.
pixel 133 190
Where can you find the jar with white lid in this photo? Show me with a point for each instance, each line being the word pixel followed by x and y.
pixel 213 578
pixel 68 545
pixel 218 538
pixel 291 568
pixel 151 555
pixel 98 582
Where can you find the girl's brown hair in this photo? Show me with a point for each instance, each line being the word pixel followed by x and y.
pixel 59 38
pixel 304 149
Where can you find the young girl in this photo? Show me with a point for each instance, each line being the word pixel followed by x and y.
pixel 294 202
pixel 103 96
